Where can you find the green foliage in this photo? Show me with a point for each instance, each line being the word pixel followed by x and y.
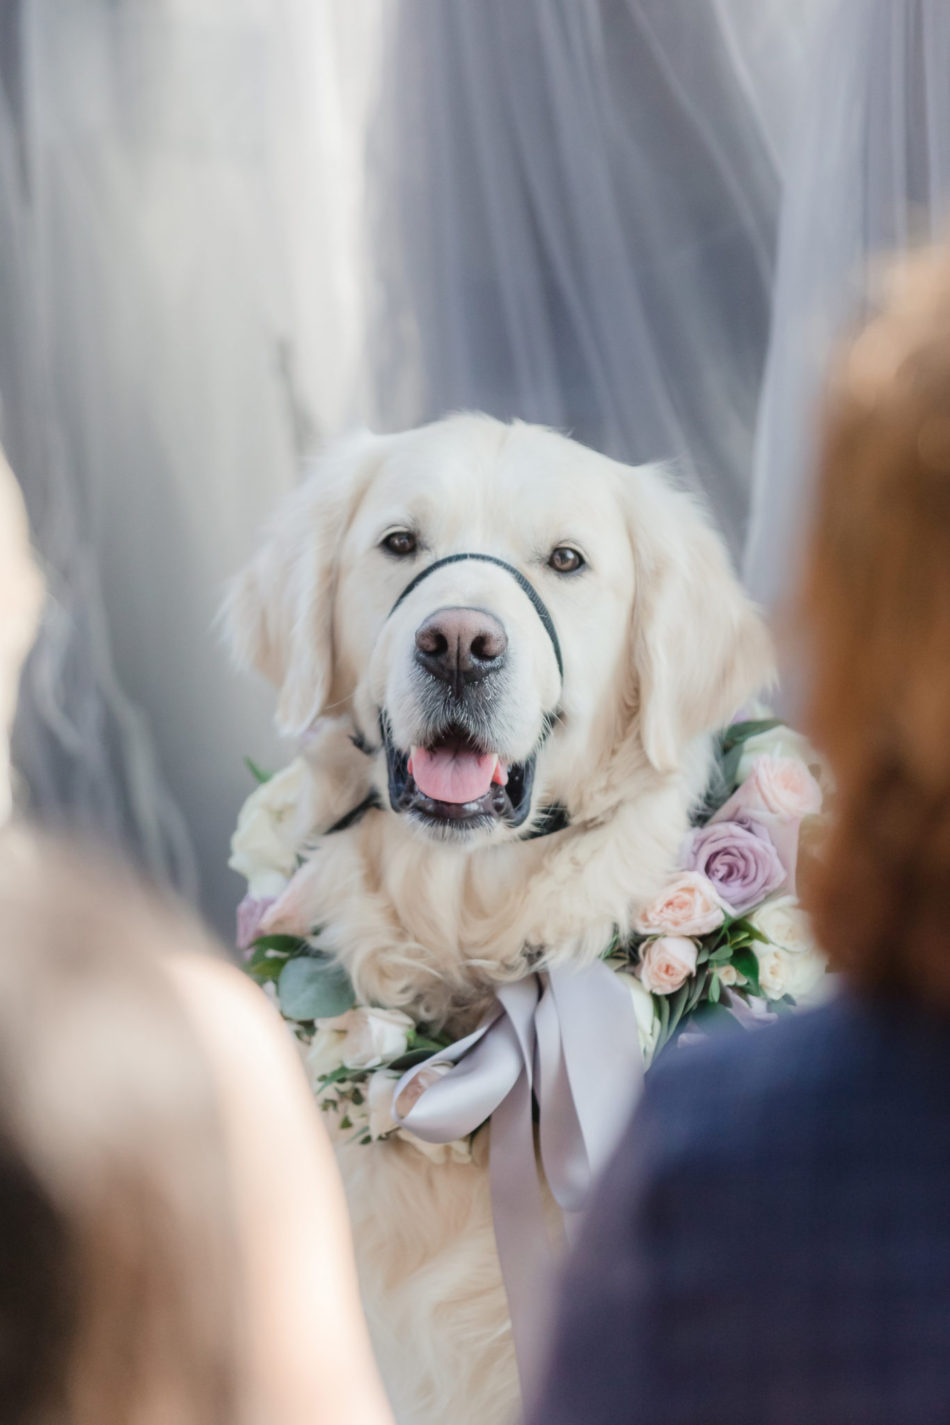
pixel 739 733
pixel 314 987
pixel 258 773
pixel 270 953
pixel 747 964
pixel 729 748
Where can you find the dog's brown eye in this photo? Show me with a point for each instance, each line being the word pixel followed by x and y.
pixel 401 542
pixel 565 560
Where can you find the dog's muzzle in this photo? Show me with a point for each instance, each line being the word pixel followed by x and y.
pixel 456 780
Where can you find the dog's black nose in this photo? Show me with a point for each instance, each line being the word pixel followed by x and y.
pixel 460 645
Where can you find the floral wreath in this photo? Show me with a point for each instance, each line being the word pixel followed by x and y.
pixel 726 943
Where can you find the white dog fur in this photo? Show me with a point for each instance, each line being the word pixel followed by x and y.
pixel 660 647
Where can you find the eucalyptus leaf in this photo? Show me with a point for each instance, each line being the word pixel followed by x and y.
pixel 314 987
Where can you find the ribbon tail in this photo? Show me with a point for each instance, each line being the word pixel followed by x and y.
pixel 601 1045
pixel 524 1251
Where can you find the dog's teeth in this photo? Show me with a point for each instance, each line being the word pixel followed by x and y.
pixel 412 752
pixel 499 773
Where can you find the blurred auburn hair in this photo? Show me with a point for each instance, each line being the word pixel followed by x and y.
pixel 120 1280
pixel 876 619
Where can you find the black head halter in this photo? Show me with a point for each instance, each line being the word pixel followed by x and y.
pixel 550 818
pixel 524 584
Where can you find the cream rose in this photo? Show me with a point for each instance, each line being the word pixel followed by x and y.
pixel 782 973
pixel 371 1037
pixel 325 1053
pixel 783 923
pixel 688 906
pixel 648 1020
pixel 785 787
pixel 270 829
pixel 779 741
pixel 791 963
pixel 667 963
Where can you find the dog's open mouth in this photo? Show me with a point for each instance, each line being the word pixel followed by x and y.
pixel 455 782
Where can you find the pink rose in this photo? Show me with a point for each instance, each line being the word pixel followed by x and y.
pixel 688 906
pixel 785 787
pixel 667 963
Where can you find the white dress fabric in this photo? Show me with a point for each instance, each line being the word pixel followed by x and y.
pixel 232 228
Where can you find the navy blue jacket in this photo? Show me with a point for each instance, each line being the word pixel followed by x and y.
pixel 771 1245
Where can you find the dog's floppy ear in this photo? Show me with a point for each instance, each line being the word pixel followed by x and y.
pixel 700 646
pixel 278 613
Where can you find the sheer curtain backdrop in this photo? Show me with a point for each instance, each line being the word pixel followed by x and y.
pixel 231 228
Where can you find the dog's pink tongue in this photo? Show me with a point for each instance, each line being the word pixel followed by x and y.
pixel 449 776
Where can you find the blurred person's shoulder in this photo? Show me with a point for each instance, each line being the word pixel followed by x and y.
pixel 852 1068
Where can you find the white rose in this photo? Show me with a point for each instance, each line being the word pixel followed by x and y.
pixel 781 741
pixel 371 1036
pixel 782 973
pixel 728 975
pixel 667 963
pixel 272 825
pixel 783 923
pixel 325 1053
pixel 648 1020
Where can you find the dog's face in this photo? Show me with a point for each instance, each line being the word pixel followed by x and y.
pixel 599 607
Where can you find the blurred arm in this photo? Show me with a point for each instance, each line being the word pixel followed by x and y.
pixel 310 1354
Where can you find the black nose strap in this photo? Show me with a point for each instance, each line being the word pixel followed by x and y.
pixel 540 607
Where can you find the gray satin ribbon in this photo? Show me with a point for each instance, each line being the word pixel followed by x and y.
pixel 567 1039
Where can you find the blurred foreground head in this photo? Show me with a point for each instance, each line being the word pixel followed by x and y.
pixel 21 598
pixel 877 623
pixel 118 1283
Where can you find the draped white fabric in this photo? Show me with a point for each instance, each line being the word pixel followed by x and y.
pixel 231 228
pixel 867 174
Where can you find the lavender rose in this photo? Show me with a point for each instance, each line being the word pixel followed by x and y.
pixel 742 864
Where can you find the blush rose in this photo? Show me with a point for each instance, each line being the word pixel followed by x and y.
pixel 667 963
pixel 688 906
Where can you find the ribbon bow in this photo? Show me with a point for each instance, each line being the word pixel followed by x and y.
pixel 567 1040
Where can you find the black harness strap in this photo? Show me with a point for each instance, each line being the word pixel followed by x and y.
pixel 524 584
pixel 356 813
pixel 551 818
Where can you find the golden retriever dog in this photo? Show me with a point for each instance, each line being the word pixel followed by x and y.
pixel 565 678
